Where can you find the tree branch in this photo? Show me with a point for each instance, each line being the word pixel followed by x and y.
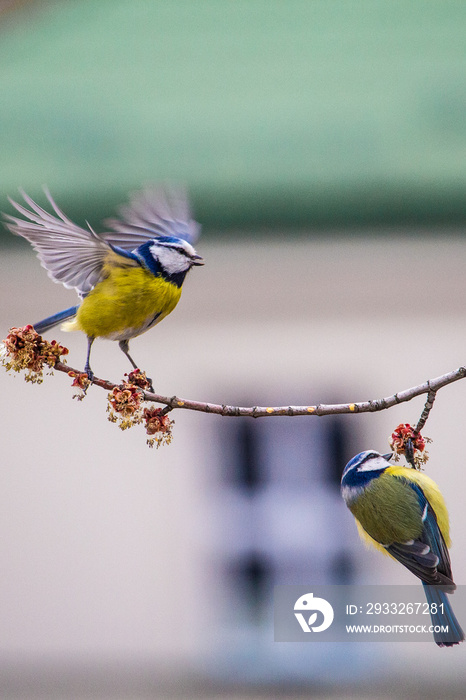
pixel 430 387
pixel 427 409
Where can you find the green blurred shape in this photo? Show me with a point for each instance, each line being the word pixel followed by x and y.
pixel 306 113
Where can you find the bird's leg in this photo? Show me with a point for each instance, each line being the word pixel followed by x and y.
pixel 87 366
pixel 409 453
pixel 124 347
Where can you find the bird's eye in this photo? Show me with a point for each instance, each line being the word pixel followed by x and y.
pixel 371 455
pixel 183 252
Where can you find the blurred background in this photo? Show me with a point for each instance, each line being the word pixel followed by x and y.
pixel 324 147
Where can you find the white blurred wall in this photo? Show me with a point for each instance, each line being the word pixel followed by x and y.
pixel 103 540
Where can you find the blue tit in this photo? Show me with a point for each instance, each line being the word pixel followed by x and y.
pixel 128 280
pixel 402 513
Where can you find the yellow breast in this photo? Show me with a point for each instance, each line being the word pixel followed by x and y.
pixel 125 304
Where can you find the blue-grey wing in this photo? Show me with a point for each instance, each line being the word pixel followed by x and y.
pixel 71 255
pixel 151 213
pixel 427 557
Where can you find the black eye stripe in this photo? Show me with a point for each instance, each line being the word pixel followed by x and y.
pixel 177 248
pixel 367 458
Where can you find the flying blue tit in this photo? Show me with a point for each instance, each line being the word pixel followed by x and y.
pixel 129 279
pixel 402 513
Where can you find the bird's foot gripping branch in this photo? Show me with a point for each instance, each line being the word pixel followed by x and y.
pixel 25 350
pixel 409 442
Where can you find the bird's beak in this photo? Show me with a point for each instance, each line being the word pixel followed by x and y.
pixel 197 260
pixel 388 456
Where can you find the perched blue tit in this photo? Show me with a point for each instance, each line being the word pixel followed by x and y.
pixel 402 513
pixel 128 280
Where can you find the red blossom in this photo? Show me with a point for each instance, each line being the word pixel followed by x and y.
pixel 138 378
pixel 125 399
pixel 402 434
pixel 158 425
pixel 80 379
pixel 156 421
pixel 26 349
pixel 406 441
pixel 82 382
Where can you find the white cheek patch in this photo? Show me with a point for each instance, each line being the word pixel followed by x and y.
pixel 170 259
pixel 374 464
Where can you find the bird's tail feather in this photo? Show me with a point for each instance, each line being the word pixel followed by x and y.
pixel 54 320
pixel 445 617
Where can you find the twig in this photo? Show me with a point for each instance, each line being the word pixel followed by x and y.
pixel 427 409
pixel 430 387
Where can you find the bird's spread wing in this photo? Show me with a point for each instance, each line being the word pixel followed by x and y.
pixel 427 557
pixel 72 255
pixel 151 213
